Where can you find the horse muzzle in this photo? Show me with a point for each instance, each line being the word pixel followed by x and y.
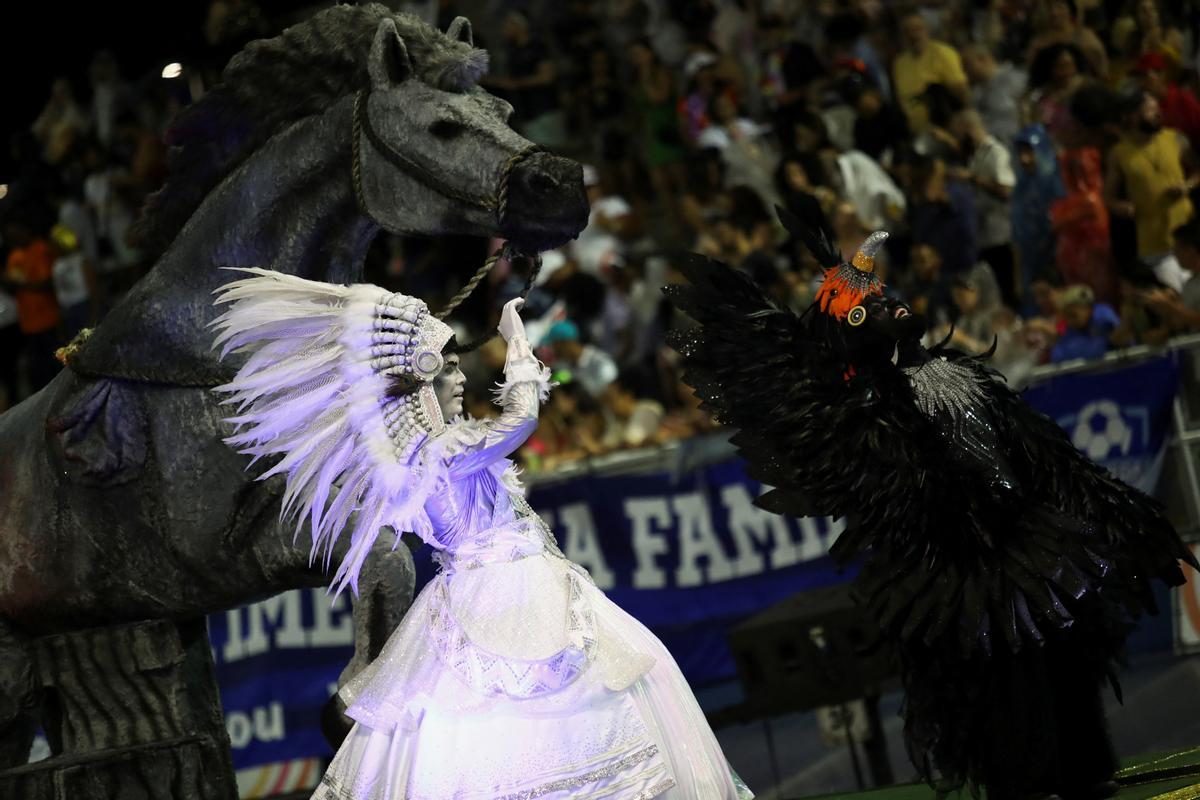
pixel 547 205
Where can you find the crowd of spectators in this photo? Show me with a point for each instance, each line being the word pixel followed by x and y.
pixel 1032 160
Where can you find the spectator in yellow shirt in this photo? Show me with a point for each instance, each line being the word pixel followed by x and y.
pixel 1146 177
pixel 922 62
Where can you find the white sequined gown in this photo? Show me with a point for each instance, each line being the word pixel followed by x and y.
pixel 513 676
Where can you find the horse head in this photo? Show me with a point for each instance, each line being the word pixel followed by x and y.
pixel 434 152
pixel 355 120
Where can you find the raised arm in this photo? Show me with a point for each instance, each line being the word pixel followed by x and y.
pixel 526 384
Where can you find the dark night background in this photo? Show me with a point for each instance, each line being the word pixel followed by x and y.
pixel 45 40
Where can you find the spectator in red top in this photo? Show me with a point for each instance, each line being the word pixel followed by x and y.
pixel 29 274
pixel 1178 106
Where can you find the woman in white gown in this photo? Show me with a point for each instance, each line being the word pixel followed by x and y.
pixel 512 676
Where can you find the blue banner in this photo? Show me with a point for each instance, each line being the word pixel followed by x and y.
pixel 278 663
pixel 689 556
pixel 1119 418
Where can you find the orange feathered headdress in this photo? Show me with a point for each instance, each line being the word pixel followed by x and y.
pixel 850 282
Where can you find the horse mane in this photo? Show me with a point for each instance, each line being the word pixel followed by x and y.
pixel 273 83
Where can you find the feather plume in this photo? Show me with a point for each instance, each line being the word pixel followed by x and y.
pixel 812 229
pixel 309 396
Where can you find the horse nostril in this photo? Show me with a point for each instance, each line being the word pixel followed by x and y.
pixel 540 182
pixel 548 189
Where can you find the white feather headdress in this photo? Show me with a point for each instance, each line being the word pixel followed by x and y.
pixel 318 389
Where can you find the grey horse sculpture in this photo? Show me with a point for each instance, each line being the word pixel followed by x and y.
pixel 118 499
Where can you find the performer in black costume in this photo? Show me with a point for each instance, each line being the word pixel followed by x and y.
pixel 1002 564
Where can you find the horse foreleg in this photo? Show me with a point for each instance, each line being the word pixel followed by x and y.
pixel 18 697
pixel 385 592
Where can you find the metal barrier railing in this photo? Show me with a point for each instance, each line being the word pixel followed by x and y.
pixel 1114 358
pixel 674 456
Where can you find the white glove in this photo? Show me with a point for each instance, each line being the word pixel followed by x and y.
pixel 510 321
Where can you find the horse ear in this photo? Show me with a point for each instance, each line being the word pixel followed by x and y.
pixel 388 63
pixel 460 31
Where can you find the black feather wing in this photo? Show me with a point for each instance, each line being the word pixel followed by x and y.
pixel 810 226
pixel 1133 527
pixel 945 563
pixel 949 563
pixel 831 446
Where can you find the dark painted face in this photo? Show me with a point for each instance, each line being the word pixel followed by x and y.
pixel 872 329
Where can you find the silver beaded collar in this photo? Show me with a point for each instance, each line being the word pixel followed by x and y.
pixel 944 387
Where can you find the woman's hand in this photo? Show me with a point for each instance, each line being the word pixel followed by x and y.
pixel 510 321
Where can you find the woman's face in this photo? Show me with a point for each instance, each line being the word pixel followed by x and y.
pixel 449 385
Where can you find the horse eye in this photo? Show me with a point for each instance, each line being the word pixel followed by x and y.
pixel 446 129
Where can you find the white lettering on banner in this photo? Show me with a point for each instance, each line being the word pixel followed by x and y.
pixel 702 557
pixel 582 545
pixel 749 525
pixel 648 543
pixel 698 540
pixel 332 625
pixel 833 529
pixel 284 612
pixel 811 545
pixel 261 724
pixel 333 622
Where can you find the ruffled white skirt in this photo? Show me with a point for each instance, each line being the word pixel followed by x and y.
pixel 520 680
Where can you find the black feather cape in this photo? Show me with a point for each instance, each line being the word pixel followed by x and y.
pixel 970 587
